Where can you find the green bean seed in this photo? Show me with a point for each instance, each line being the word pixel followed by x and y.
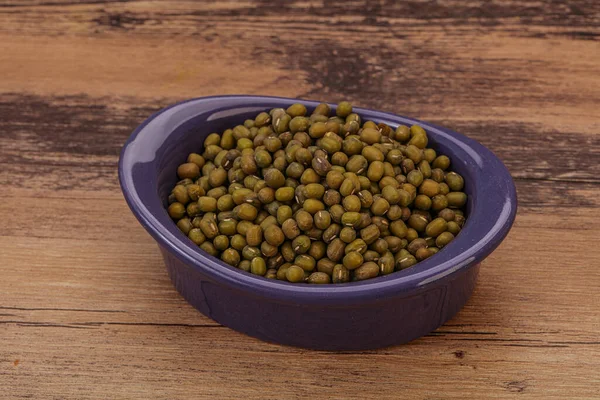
pixel 366 271
pixel 318 198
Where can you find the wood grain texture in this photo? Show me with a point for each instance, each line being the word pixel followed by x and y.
pixel 86 308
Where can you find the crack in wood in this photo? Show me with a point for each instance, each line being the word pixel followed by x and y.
pixel 576 342
pixel 60 309
pixel 465 333
pixel 64 3
pixel 26 324
pixel 533 345
pixel 92 325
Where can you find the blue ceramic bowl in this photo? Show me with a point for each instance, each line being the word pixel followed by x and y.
pixel 380 312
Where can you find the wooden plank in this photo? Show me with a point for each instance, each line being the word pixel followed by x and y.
pixel 49 131
pixel 76 272
pixel 518 333
pixel 159 362
pixel 424 54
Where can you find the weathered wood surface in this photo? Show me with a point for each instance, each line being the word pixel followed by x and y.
pixel 86 308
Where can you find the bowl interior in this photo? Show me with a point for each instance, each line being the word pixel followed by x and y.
pixel 190 136
pixel 151 156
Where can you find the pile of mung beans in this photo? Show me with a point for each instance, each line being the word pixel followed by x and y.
pixel 318 198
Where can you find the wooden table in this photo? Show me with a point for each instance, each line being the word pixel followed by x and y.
pixel 86 308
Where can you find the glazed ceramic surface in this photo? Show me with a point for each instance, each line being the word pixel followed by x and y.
pixel 379 312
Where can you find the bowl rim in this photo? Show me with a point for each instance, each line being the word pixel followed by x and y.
pixel 492 213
